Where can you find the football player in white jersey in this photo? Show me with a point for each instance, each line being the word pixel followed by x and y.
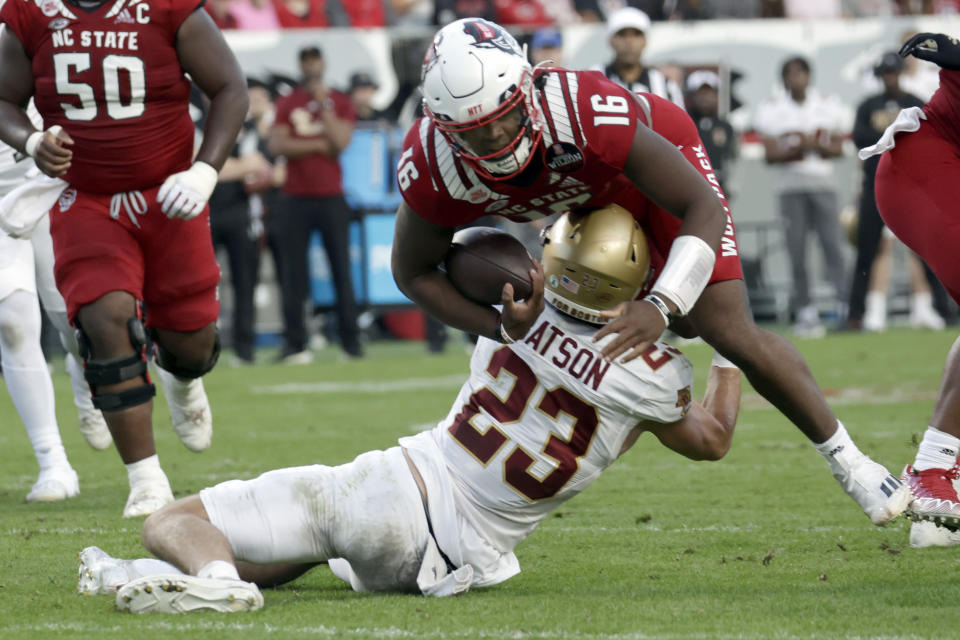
pixel 534 424
pixel 24 367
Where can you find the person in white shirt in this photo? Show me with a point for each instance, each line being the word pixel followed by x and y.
pixel 536 422
pixel 802 132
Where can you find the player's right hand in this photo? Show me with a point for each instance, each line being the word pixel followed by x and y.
pixel 938 48
pixel 637 324
pixel 49 150
pixel 517 316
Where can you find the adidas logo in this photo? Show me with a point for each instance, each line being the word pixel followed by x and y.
pixel 124 18
pixel 949 452
pixel 835 450
pixel 889 485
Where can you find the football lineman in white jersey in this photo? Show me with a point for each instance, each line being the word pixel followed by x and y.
pixel 534 424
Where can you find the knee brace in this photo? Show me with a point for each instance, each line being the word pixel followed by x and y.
pixel 115 370
pixel 169 361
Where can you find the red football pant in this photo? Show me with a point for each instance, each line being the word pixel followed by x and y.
pixel 918 194
pixel 167 263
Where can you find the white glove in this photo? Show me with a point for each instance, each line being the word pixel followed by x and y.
pixel 185 194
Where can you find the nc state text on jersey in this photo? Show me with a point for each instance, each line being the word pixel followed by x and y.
pixel 128 40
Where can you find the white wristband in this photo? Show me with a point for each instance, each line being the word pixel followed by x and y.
pixel 723 363
pixel 686 273
pixel 33 141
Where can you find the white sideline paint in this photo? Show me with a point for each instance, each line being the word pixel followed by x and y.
pixel 323 631
pixel 363 386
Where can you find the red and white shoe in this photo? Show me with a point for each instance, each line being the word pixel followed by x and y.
pixel 934 496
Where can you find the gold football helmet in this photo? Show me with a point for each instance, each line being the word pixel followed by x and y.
pixel 593 260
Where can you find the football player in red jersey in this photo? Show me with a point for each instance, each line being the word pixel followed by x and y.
pixel 501 137
pixel 917 193
pixel 132 222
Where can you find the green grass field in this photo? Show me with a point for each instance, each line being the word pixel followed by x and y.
pixel 763 544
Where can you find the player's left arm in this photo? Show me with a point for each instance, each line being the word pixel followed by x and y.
pixel 204 54
pixel 663 173
pixel 706 431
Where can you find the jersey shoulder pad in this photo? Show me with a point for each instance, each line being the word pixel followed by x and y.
pixel 661 380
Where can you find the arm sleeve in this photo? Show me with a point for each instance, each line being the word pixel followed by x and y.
pixel 12 15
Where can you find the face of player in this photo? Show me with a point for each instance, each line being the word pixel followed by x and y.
pixel 628 45
pixel 705 100
pixel 494 136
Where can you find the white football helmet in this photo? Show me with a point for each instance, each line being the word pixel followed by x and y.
pixel 593 260
pixel 474 73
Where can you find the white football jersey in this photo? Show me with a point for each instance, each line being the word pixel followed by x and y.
pixel 539 420
pixel 13 164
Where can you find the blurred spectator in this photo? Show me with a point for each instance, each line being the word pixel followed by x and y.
pixel 627 30
pixel 253 15
pixel 409 12
pixel 236 224
pixel 524 13
pixel 802 131
pixel 732 9
pixel 602 10
pixel 313 125
pixel 547 46
pixel 301 13
pixel 219 10
pixel 447 11
pixel 361 92
pixel 688 9
pixel 718 138
pixel 365 13
pixel 868 309
pixel 812 9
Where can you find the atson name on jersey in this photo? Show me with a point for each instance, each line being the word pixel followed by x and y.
pixel 566 353
pixel 126 40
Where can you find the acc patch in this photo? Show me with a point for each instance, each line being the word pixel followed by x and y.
pixel 67 198
pixel 58 23
pixel 563 156
pixel 684 398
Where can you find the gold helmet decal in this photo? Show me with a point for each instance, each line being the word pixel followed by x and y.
pixel 593 260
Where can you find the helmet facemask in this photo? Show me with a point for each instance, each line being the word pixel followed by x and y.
pixel 473 75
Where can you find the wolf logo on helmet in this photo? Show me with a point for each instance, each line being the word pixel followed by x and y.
pixel 487 35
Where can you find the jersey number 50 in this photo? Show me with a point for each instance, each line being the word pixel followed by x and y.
pixel 485 445
pixel 65 64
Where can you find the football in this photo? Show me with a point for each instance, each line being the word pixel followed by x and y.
pixel 483 259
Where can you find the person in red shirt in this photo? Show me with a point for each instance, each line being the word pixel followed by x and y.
pixel 312 126
pixel 917 193
pixel 131 222
pixel 500 137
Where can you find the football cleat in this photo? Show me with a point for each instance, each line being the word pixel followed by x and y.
pixel 173 593
pixel 145 498
pixel 53 485
pixel 92 424
pixel 881 496
pixel 934 496
pixel 189 410
pixel 100 573
pixel 928 534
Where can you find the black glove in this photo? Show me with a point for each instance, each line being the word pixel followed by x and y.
pixel 938 48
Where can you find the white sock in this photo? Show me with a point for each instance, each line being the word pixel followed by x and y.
pixel 81 390
pixel 27 377
pixel 179 391
pixel 876 302
pixel 142 567
pixel 921 301
pixel 220 570
pixel 145 471
pixel 839 449
pixel 938 450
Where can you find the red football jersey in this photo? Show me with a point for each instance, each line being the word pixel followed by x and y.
pixel 111 78
pixel 943 109
pixel 589 125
